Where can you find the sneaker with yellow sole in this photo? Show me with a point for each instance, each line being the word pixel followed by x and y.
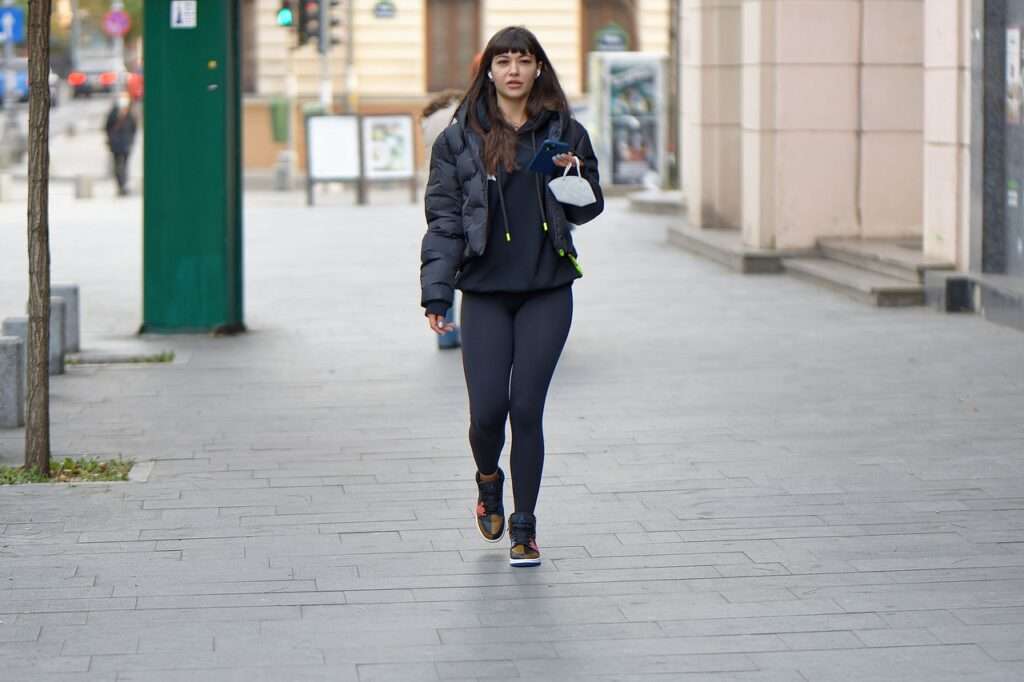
pixel 522 528
pixel 490 512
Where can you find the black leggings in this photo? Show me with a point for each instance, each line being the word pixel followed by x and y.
pixel 517 335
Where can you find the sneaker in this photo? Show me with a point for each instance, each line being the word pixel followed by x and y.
pixel 490 512
pixel 522 528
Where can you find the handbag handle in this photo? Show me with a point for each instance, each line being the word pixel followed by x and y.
pixel 569 168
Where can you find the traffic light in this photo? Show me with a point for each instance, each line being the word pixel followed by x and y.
pixel 284 15
pixel 327 39
pixel 309 21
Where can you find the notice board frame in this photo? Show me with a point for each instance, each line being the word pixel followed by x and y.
pixel 356 173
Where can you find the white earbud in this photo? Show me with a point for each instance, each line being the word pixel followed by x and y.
pixel 538 73
pixel 490 75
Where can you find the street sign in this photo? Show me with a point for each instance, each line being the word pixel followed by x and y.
pixel 12 23
pixel 611 38
pixel 117 22
pixel 385 9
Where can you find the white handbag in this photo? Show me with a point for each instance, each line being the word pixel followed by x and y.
pixel 573 189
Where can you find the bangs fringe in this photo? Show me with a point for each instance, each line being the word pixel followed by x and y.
pixel 515 40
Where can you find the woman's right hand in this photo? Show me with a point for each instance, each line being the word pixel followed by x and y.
pixel 438 324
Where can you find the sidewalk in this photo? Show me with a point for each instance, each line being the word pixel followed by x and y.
pixel 786 486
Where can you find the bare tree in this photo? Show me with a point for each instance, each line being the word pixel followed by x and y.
pixel 37 418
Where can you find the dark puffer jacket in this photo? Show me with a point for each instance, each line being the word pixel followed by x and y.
pixel 457 203
pixel 120 130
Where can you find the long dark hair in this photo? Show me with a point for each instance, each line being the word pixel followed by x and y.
pixel 500 138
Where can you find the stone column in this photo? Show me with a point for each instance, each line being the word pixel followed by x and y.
pixel 892 118
pixel 711 38
pixel 947 112
pixel 800 120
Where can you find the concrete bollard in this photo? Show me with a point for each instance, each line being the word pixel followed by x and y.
pixel 56 350
pixel 6 187
pixel 83 187
pixel 18 327
pixel 12 383
pixel 72 315
pixel 57 315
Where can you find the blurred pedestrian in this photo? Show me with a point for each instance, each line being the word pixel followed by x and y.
pixel 121 127
pixel 437 116
pixel 497 232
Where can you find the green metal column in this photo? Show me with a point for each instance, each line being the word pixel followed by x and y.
pixel 192 243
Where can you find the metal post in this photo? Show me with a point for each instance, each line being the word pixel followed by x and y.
pixel 286 158
pixel 117 5
pixel 326 89
pixel 350 70
pixel 76 28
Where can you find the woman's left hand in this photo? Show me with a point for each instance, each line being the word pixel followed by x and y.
pixel 567 159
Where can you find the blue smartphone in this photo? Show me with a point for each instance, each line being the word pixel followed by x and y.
pixel 543 162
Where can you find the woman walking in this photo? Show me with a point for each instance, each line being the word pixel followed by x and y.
pixel 497 232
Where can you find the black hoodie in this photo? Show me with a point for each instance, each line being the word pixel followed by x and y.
pixel 518 257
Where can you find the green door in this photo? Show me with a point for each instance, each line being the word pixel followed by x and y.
pixel 192 217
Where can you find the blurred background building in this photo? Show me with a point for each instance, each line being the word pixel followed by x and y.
pixel 880 140
pixel 875 146
pixel 404 50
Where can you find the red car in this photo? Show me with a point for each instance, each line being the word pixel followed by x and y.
pixel 94 74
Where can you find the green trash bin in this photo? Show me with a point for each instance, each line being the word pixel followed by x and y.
pixel 279 119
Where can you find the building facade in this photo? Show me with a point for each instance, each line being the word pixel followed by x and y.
pixel 805 121
pixel 404 50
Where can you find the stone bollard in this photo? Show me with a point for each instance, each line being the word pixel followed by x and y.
pixel 72 315
pixel 18 327
pixel 57 316
pixel 83 187
pixel 12 383
pixel 56 351
pixel 6 187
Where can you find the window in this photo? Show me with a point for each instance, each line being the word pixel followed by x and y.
pixel 453 39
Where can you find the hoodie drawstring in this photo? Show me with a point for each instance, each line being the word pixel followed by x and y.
pixel 504 211
pixel 536 184
pixel 540 202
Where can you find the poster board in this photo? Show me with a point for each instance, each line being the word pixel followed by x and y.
pixel 389 151
pixel 332 148
pixel 360 150
pixel 628 105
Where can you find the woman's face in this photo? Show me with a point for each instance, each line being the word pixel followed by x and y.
pixel 514 74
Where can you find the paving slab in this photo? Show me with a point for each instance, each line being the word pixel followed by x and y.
pixel 748 480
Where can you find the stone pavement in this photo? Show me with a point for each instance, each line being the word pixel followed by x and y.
pixel 748 479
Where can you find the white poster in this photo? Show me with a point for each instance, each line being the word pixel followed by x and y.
pixel 184 13
pixel 388 148
pixel 1014 83
pixel 333 147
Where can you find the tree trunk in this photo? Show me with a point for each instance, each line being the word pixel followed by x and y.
pixel 37 418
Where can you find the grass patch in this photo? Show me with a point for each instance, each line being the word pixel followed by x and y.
pixel 165 357
pixel 70 470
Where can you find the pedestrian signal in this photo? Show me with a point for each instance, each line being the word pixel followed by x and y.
pixel 284 15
